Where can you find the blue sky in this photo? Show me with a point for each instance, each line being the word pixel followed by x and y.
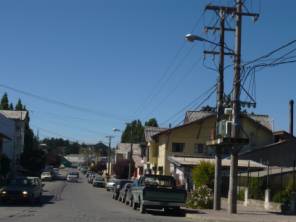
pixel 107 56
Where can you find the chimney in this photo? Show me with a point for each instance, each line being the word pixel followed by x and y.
pixel 291 117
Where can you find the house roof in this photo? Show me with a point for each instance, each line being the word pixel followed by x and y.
pixel 16 115
pixel 150 131
pixel 192 117
pixel 193 161
pixel 272 171
pixel 124 148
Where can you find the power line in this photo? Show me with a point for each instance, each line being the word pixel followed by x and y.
pixel 176 86
pixel 186 107
pixel 59 103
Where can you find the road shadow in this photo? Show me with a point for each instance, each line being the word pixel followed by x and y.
pixel 178 213
pixel 45 200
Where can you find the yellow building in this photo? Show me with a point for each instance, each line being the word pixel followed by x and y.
pixel 190 138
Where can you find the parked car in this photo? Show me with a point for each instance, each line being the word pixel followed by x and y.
pixel 118 186
pixel 99 181
pixel 123 192
pixel 91 177
pixel 157 192
pixel 72 177
pixel 110 185
pixel 129 193
pixel 24 189
pixel 46 176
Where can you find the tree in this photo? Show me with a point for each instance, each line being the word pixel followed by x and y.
pixel 19 106
pixel 203 174
pixel 133 133
pixel 4 105
pixel 33 161
pixel 121 168
pixel 151 122
pixel 10 106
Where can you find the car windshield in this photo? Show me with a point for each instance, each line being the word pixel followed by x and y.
pixel 99 179
pixel 20 182
pixel 161 181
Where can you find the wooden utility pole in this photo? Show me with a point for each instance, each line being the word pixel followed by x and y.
pixel 235 133
pixel 234 141
pixel 109 155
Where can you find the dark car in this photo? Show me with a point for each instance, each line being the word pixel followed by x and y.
pixel 118 186
pixel 123 192
pixel 22 189
pixel 128 197
pixel 157 192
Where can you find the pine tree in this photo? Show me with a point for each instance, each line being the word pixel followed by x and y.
pixel 10 106
pixel 4 105
pixel 151 122
pixel 19 105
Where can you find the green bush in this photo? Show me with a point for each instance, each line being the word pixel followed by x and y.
pixel 241 194
pixel 284 195
pixel 256 189
pixel 202 198
pixel 204 174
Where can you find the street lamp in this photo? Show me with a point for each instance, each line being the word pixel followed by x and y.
pixel 192 38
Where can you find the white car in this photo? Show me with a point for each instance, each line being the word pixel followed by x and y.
pixel 110 185
pixel 46 176
pixel 72 177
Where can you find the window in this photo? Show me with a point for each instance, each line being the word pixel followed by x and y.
pixel 178 147
pixel 199 148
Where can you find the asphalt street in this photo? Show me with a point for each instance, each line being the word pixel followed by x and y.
pixel 79 202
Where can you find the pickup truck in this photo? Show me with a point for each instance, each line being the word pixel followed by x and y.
pixel 157 192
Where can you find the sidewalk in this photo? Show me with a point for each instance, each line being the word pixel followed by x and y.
pixel 245 214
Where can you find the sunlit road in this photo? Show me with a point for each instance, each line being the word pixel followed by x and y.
pixel 63 202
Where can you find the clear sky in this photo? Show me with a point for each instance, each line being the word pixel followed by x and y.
pixel 110 57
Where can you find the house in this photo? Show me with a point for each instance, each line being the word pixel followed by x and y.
pixel 13 125
pixel 281 152
pixel 151 151
pixel 181 168
pixel 7 133
pixel 190 138
pixel 138 155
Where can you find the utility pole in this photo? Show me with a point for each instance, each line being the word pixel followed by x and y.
pixel 234 141
pixel 109 154
pixel 130 154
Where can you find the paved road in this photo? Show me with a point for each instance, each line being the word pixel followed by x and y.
pixel 78 202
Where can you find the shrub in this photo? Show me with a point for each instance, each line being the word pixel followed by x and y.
pixel 241 194
pixel 204 174
pixel 256 189
pixel 284 195
pixel 202 198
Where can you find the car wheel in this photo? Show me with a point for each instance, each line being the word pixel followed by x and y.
pixel 134 205
pixel 126 202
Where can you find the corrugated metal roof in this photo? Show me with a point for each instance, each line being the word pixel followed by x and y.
pixel 192 161
pixel 11 114
pixel 150 131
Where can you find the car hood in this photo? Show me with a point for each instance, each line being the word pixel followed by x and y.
pixel 16 188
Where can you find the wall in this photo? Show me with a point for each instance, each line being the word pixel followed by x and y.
pixel 199 133
pixel 7 127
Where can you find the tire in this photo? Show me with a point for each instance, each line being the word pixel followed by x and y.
pixel 134 205
pixel 126 202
